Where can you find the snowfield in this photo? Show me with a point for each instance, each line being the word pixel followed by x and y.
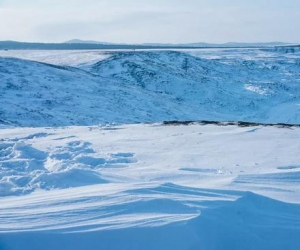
pixel 150 187
pixel 86 161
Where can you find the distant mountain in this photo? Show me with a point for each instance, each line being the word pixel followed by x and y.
pixel 219 45
pixel 200 44
pixel 78 41
pixel 13 45
pixel 256 44
pixel 76 44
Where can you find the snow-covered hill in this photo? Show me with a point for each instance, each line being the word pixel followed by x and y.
pixel 131 87
pixel 36 94
pixel 252 90
pixel 288 49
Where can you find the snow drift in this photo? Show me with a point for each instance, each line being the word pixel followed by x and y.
pixel 150 187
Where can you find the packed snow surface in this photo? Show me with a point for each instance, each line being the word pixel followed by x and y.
pixel 150 187
pixel 74 174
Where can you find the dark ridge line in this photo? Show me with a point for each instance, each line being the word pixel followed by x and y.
pixel 230 123
pixel 13 45
pixel 287 46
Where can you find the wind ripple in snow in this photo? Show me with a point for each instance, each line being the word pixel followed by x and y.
pixel 211 222
pixel 90 210
pixel 25 168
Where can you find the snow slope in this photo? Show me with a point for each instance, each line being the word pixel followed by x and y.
pixel 150 187
pixel 47 95
pixel 72 58
pixel 102 184
pixel 141 86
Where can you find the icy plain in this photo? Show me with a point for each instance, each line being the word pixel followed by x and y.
pixel 74 175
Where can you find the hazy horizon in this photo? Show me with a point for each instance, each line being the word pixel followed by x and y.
pixel 158 21
pixel 145 43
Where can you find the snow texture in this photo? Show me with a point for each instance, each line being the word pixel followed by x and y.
pixel 150 187
pixel 103 184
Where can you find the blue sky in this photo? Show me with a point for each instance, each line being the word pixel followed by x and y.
pixel 141 21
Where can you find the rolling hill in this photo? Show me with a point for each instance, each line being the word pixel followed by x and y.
pixel 134 87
